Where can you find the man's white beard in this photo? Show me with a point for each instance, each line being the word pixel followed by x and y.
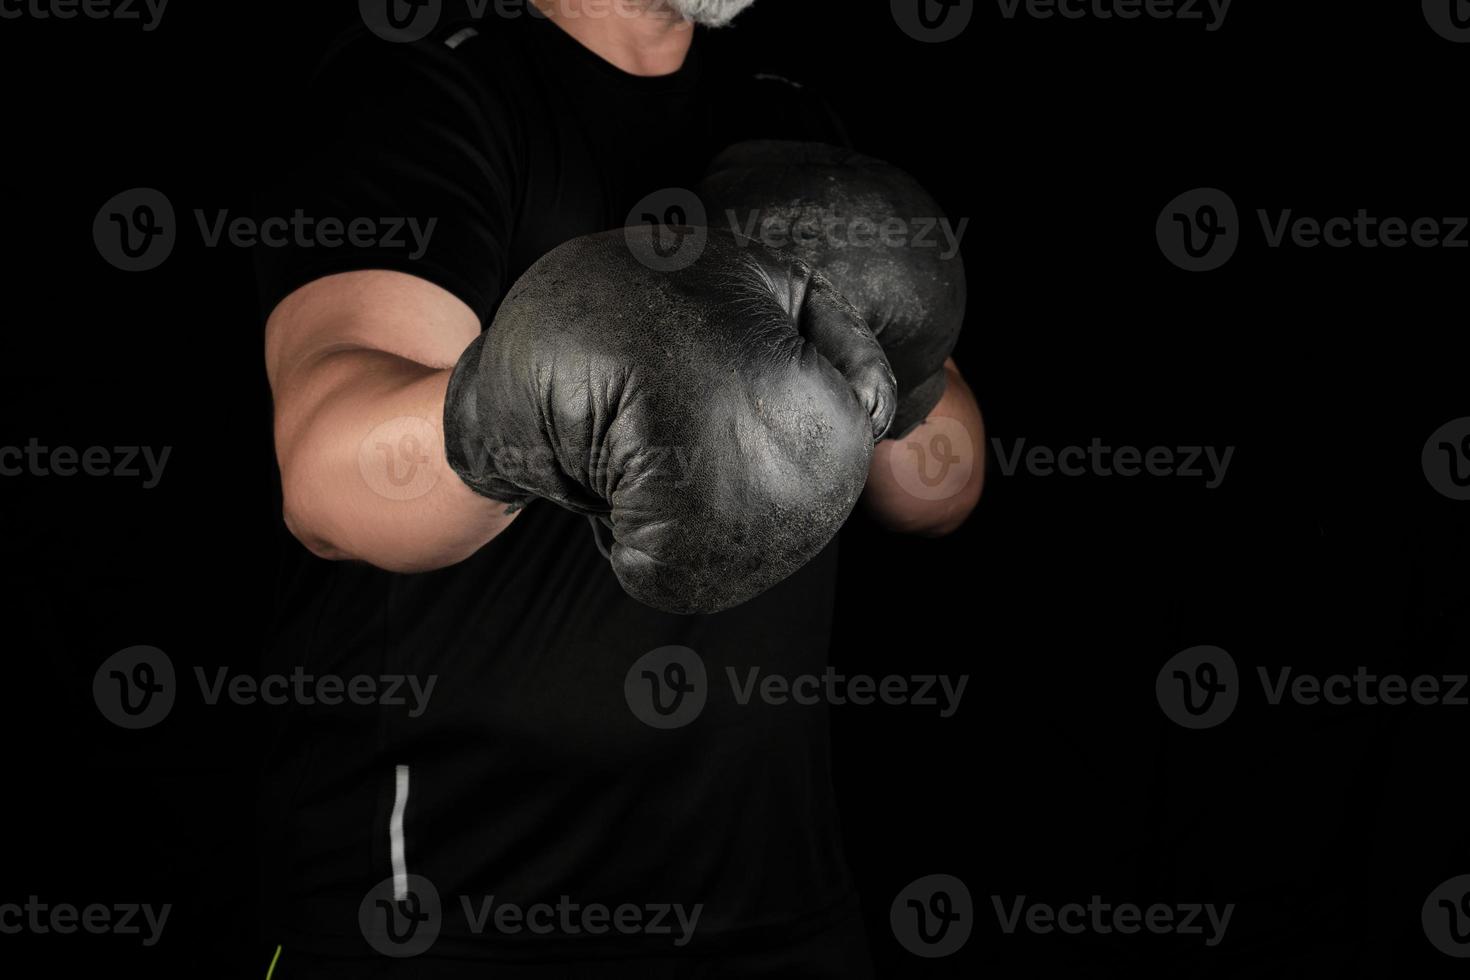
pixel 710 13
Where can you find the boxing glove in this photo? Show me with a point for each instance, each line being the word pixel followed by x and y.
pixel 867 226
pixel 718 419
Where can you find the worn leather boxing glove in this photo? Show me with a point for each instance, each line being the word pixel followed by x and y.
pixel 719 419
pixel 867 226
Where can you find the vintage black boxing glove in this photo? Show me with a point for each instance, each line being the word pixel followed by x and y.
pixel 719 418
pixel 869 228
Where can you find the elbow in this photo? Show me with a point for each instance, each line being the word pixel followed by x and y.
pixel 942 528
pixel 308 508
pixel 324 524
pixel 938 523
pixel 304 516
pixel 950 519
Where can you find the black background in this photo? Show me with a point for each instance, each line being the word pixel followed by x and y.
pixel 1059 778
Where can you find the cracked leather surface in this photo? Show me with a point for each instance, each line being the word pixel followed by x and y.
pixel 718 419
pixel 912 298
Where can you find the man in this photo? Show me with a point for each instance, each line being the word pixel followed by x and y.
pixel 526 779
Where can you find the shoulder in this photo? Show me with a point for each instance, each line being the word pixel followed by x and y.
pixel 472 57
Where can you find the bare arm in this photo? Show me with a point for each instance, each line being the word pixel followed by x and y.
pixel 928 482
pixel 358 364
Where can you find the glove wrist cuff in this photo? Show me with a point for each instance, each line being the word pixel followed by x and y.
pixel 465 448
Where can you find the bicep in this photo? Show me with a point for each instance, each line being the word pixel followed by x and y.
pixel 392 313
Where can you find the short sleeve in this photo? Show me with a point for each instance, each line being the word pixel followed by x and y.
pixel 406 158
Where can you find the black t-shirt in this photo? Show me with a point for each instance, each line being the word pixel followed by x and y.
pixel 530 776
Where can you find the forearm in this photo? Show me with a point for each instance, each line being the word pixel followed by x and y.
pixel 363 472
pixel 928 482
